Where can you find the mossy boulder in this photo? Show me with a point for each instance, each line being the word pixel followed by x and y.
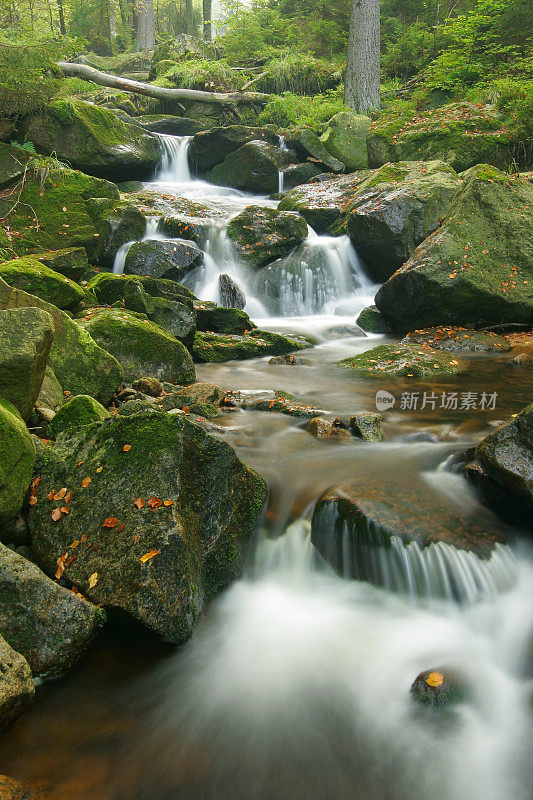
pixel 367 425
pixel 307 144
pixel 34 277
pixel 254 167
pixel 110 288
pixel 218 319
pixel 189 220
pixel 13 162
pixel 260 235
pixel 94 139
pixel 345 138
pixel 477 267
pixel 322 203
pixel 162 259
pixel 17 457
pixel 26 336
pixel 51 395
pixel 460 340
pixel 81 366
pixel 372 320
pixel 211 147
pixel 116 222
pixel 48 624
pixel 72 262
pixel 140 346
pixel 216 347
pixel 396 209
pixel 404 360
pixel 159 560
pixel 16 684
pixel 298 174
pixel 81 410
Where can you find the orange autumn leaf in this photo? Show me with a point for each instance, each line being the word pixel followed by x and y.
pixel 68 498
pixel 85 482
pixel 74 544
pixel 83 537
pixel 51 495
pixel 32 500
pixel 110 522
pixel 136 538
pixel 99 469
pixel 121 527
pixel 147 556
pixel 168 503
pixel 57 514
pixel 140 503
pixel 126 448
pixel 435 679
pixel 93 580
pixel 154 502
pixel 186 410
pixel 65 510
pixel 60 494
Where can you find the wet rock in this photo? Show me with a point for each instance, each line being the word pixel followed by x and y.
pixel 17 457
pixel 93 139
pixel 438 688
pixel 367 426
pixel 344 332
pixel 323 203
pixel 116 222
pixel 372 320
pixel 260 235
pixel 149 386
pixel 31 275
pixel 459 340
pixel 230 294
pixel 80 365
pixel 162 259
pixel 140 346
pixel 404 360
pixel 72 262
pixel 298 174
pixel 81 410
pixel 345 138
pixel 322 428
pixel 172 126
pixel 254 167
pixel 306 143
pixel 110 289
pixel 176 317
pixel 49 625
pixel 216 347
pixel 189 220
pixel 203 392
pixel 522 360
pixel 476 268
pixel 282 404
pixel 211 147
pixel 217 319
pixel 159 560
pixel 288 360
pixel 16 684
pixel 26 336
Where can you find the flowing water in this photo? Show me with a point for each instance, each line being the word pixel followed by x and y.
pixel 296 683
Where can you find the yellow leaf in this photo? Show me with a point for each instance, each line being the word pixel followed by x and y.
pixel 435 679
pixel 93 580
pixel 148 556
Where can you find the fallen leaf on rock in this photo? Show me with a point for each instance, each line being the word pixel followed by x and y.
pixel 32 501
pixel 60 494
pixel 147 556
pixel 435 679
pixel 93 580
pixel 57 514
pixel 121 527
pixel 99 469
pixel 154 502
pixel 85 482
pixel 168 503
pixel 110 522
pixel 126 448
pixel 51 495
pixel 65 510
pixel 140 503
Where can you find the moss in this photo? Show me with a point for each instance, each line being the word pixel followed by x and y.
pixel 110 288
pixel 64 111
pixel 404 360
pixel 81 410
pixel 216 347
pixel 34 277
pixel 222 320
pixel 17 457
pixel 260 234
pixel 372 320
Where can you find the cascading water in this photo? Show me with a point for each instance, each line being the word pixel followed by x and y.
pixel 174 162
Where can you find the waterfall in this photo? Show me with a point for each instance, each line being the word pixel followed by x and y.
pixel 174 166
pixel 150 233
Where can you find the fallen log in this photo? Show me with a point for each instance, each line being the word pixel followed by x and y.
pixel 73 70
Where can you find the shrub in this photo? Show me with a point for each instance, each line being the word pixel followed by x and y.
pixel 299 73
pixel 206 74
pixel 290 109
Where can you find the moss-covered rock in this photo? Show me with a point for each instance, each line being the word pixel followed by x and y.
pixel 48 624
pixel 367 425
pixel 217 319
pixel 16 684
pixel 94 139
pixel 260 235
pixel 34 277
pixel 345 138
pixel 216 347
pixel 306 143
pixel 162 259
pixel 116 222
pixel 396 209
pixel 211 147
pixel 72 262
pixel 190 220
pixel 298 174
pixel 282 404
pixel 81 366
pixel 81 410
pixel 140 346
pixel 439 688
pixel 477 267
pixel 460 340
pixel 372 320
pixel 322 203
pixel 13 162
pixel 323 428
pixel 51 393
pixel 26 336
pixel 404 360
pixel 110 288
pixel 254 167
pixel 17 457
pixel 157 560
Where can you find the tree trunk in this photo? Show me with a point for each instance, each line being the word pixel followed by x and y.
pixel 62 26
pixel 145 24
pixel 206 6
pixel 149 90
pixel 189 17
pixel 361 88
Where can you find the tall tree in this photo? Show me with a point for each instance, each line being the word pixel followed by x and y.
pixel 144 14
pixel 189 17
pixel 361 87
pixel 62 26
pixel 207 10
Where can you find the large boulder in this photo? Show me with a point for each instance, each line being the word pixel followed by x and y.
pixel 162 259
pixel 345 138
pixel 477 267
pixel 94 139
pixel 322 203
pixel 254 167
pixel 161 528
pixel 80 365
pixel 216 347
pixel 396 209
pixel 140 346
pixel 307 144
pixel 81 410
pixel 34 277
pixel 116 222
pixel 72 262
pixel 16 684
pixel 188 220
pixel 26 336
pixel 404 360
pixel 260 234
pixel 48 624
pixel 17 457
pixel 211 147
pixel 230 294
pixel 110 288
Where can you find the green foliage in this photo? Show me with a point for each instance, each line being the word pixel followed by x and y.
pixel 206 74
pixel 290 109
pixel 300 73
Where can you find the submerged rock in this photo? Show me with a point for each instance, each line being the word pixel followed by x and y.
pixel 459 340
pixel 288 360
pixel 260 234
pixel 477 267
pixel 49 625
pixel 16 684
pixel 17 457
pixel 216 347
pixel 438 688
pixel 161 529
pixel 162 259
pixel 322 428
pixel 367 425
pixel 404 360
pixel 372 320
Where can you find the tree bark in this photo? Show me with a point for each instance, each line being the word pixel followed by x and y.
pixel 145 24
pixel 189 17
pixel 361 88
pixel 62 26
pixel 87 73
pixel 206 7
